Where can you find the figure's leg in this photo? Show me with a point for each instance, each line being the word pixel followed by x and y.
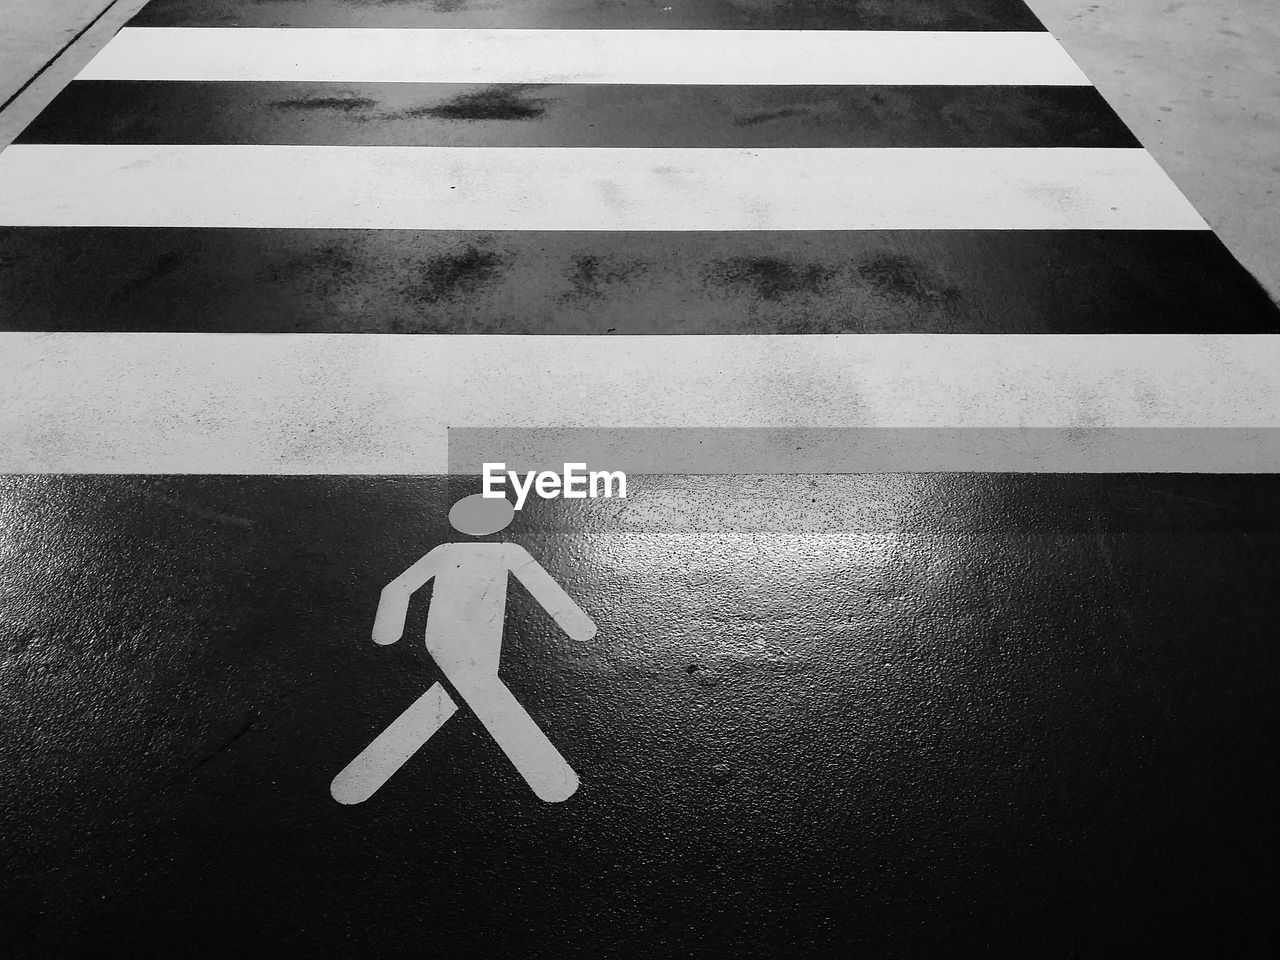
pixel 526 746
pixel 362 777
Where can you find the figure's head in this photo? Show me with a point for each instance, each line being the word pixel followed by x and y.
pixel 479 516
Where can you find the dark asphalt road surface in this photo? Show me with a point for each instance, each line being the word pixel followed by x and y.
pixel 947 715
pixel 903 715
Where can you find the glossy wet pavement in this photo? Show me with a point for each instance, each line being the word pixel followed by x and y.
pixel 894 714
pixel 941 713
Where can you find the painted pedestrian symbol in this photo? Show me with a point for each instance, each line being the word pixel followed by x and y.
pixel 464 636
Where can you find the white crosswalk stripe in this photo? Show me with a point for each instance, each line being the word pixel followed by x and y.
pixel 383 405
pixel 585 56
pixel 397 397
pixel 527 188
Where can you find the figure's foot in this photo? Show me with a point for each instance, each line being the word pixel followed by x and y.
pixel 557 786
pixel 364 775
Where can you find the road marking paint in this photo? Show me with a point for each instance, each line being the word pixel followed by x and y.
pixel 536 188
pixel 335 404
pixel 464 636
pixel 586 56
pixel 392 748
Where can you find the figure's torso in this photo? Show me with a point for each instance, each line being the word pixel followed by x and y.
pixel 468 606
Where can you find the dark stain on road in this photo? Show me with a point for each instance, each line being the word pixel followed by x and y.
pixel 905 277
pixel 765 116
pixel 456 273
pixel 771 278
pixel 325 269
pixel 507 102
pixel 346 104
pixel 591 275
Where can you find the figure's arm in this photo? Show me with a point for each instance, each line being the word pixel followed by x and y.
pixel 572 619
pixel 393 608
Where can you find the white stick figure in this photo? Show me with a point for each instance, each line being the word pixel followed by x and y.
pixel 464 636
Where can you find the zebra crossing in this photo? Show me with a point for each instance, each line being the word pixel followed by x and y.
pixel 936 619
